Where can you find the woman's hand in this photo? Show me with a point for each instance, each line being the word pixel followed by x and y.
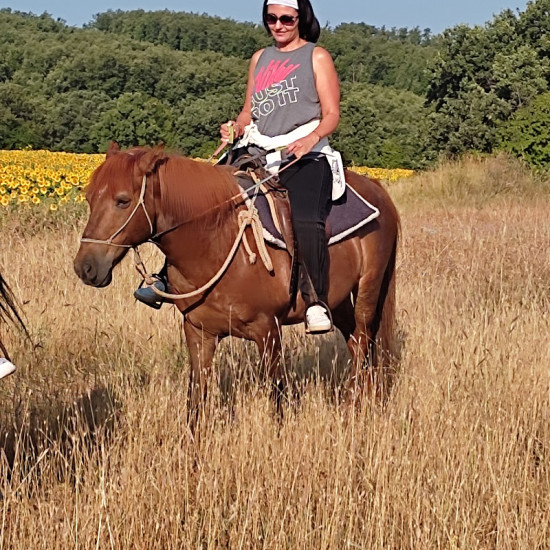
pixel 225 130
pixel 303 146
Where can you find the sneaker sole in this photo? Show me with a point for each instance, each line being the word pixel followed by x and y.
pixel 322 330
pixel 156 304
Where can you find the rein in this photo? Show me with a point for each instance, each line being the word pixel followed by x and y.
pixel 255 188
pixel 246 218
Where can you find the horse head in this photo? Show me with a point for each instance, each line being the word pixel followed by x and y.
pixel 122 211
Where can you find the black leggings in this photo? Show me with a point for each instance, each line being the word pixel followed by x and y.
pixel 309 184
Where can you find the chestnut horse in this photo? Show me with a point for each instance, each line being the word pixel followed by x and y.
pixel 190 210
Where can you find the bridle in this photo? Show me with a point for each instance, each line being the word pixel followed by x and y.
pixel 141 202
pixel 247 217
pixel 154 236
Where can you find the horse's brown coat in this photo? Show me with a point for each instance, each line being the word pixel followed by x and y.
pixel 195 199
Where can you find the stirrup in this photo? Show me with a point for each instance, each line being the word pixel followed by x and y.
pixel 320 319
pixel 147 296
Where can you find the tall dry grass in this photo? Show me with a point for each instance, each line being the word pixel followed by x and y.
pixel 97 452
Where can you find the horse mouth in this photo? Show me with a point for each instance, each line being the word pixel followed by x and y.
pixel 92 275
pixel 101 284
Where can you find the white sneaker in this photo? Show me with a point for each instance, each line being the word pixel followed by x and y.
pixel 6 368
pixel 317 320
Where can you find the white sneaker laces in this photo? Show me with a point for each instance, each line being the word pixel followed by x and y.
pixel 317 318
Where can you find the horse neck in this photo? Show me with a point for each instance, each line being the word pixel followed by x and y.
pixel 202 229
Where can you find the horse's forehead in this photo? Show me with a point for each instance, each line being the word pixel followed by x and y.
pixel 112 176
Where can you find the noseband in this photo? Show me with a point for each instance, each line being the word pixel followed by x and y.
pixel 141 202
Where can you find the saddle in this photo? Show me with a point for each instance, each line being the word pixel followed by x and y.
pixel 271 199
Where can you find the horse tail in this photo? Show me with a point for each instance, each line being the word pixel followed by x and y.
pixel 387 344
pixel 8 308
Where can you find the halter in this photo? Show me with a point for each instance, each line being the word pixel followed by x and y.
pixel 245 218
pixel 141 202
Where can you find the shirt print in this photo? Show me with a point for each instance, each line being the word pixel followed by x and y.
pixel 274 86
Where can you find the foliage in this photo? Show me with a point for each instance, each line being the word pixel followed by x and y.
pixel 381 127
pixel 527 134
pixel 133 119
pixel 363 53
pixel 82 88
pixel 185 31
pixel 484 74
pixel 367 55
pixel 148 77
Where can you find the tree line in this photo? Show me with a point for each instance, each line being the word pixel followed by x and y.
pixel 148 77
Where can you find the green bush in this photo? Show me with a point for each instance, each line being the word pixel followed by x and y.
pixel 527 134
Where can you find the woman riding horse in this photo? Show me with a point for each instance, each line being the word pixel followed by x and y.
pixel 292 101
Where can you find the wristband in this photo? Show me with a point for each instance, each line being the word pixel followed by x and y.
pixel 318 136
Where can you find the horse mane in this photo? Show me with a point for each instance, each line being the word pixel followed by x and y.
pixel 190 190
pixel 196 191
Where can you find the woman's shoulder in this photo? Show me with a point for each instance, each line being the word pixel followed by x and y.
pixel 255 57
pixel 258 53
pixel 320 54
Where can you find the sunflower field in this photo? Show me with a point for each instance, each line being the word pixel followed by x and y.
pixel 30 177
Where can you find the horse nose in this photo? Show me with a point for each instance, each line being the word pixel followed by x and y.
pixel 86 270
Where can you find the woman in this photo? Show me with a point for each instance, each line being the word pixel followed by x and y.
pixel 293 100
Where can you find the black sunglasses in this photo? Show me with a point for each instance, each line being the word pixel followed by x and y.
pixel 286 20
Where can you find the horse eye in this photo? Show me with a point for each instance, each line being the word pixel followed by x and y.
pixel 122 202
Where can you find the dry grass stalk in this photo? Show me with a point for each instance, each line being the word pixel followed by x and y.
pixel 98 453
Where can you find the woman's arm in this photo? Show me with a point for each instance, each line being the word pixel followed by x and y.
pixel 328 89
pixel 245 116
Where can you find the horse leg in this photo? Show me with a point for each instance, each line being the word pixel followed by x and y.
pixel 269 346
pixel 343 317
pixel 362 340
pixel 201 347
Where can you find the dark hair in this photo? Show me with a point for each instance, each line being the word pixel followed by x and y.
pixel 308 25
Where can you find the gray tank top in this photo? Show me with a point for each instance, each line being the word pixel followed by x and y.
pixel 284 95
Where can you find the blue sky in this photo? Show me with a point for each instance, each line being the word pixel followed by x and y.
pixel 434 14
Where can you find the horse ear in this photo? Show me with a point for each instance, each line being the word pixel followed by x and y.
pixel 149 161
pixel 113 149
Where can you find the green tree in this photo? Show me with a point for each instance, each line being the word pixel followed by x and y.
pixel 197 128
pixel 70 118
pixel 527 134
pixel 381 127
pixel 20 118
pixel 484 74
pixel 133 119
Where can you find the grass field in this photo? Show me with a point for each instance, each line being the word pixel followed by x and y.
pixel 97 452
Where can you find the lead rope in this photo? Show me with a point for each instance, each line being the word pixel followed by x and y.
pixel 246 218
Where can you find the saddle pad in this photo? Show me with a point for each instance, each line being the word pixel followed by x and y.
pixel 347 215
